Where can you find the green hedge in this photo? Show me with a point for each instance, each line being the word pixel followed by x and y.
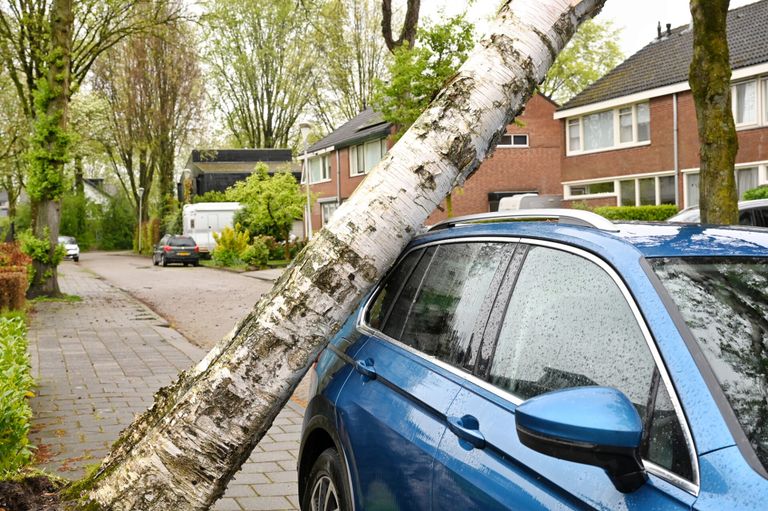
pixel 15 389
pixel 761 192
pixel 643 213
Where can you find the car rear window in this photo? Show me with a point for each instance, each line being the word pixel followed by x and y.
pixel 724 302
pixel 181 242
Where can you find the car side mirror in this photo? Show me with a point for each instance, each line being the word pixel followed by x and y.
pixel 594 425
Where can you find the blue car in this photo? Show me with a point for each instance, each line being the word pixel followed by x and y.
pixel 549 360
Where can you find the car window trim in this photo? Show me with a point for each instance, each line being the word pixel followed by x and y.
pixel 706 371
pixel 692 487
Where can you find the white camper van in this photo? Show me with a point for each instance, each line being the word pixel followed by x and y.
pixel 201 220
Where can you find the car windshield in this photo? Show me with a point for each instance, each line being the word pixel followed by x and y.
pixel 181 242
pixel 67 240
pixel 724 302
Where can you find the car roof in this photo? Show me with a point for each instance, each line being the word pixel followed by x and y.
pixel 641 238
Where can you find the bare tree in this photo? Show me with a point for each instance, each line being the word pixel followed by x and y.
pixel 182 452
pixel 710 80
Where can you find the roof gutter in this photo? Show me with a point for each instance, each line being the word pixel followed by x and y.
pixel 324 150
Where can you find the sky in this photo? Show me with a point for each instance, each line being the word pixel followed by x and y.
pixel 638 19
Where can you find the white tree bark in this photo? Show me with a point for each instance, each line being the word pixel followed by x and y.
pixel 181 453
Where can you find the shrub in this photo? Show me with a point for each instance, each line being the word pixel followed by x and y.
pixel 117 225
pixel 231 245
pixel 15 389
pixel 643 213
pixel 761 192
pixel 257 253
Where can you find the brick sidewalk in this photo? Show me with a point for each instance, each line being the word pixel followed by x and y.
pixel 98 362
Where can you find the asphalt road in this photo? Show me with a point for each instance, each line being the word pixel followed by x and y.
pixel 201 303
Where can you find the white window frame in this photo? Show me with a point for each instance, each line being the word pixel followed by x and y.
pixel 567 195
pixel 325 169
pixel 355 149
pixel 617 144
pixel 734 103
pixel 512 144
pixel 326 202
pixel 762 176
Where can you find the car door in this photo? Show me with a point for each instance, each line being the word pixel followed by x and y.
pixel 157 250
pixel 422 325
pixel 567 323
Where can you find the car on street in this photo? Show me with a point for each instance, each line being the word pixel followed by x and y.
pixel 549 359
pixel 72 249
pixel 176 249
pixel 751 212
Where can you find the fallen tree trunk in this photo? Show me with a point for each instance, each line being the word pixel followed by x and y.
pixel 182 453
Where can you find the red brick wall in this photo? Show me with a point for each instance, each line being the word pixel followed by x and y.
pixel 659 155
pixel 515 169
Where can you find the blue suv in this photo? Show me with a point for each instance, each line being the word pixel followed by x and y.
pixel 561 362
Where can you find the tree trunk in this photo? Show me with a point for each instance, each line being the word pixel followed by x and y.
pixel 165 159
pixel 49 147
pixel 410 24
pixel 80 194
pixel 710 80
pixel 47 214
pixel 182 452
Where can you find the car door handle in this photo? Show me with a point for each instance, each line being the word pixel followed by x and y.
pixel 365 367
pixel 467 428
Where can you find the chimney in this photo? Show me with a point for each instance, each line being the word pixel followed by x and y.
pixel 669 29
pixel 658 30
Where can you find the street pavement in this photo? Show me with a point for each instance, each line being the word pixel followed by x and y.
pixel 97 364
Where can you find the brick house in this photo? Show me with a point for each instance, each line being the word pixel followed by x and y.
pixel 630 138
pixel 527 160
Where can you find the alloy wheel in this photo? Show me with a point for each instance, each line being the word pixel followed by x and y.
pixel 324 495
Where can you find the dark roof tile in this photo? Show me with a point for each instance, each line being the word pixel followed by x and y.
pixel 367 124
pixel 666 61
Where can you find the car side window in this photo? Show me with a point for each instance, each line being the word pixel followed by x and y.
pixel 568 324
pixel 439 310
pixel 760 217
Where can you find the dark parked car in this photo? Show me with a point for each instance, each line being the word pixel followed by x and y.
pixel 531 365
pixel 176 249
pixel 751 212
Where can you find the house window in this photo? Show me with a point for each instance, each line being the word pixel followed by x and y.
pixel 326 210
pixel 630 191
pixel 592 188
pixel 609 129
pixel 744 102
pixel 319 169
pixel 509 140
pixel 363 157
pixel 765 101
pixel 574 134
pixel 746 179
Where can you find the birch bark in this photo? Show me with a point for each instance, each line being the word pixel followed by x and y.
pixel 181 453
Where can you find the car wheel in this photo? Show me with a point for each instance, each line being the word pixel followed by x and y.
pixel 326 488
pixel 154 260
pixel 76 259
pixel 196 263
pixel 162 260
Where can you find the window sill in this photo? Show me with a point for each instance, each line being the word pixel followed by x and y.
pixel 358 175
pixel 303 183
pixel 609 149
pixel 610 195
pixel 512 147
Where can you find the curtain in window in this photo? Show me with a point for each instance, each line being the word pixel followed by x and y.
pixel 372 154
pixel 625 125
pixel 574 139
pixel 315 169
pixel 643 122
pixel 746 179
pixel 598 130
pixel 746 103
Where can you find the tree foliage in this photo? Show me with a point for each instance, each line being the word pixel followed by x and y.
pixel 353 57
pixel 270 203
pixel 418 73
pixel 591 53
pixel 263 65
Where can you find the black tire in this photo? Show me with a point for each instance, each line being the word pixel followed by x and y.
pixel 163 261
pixel 76 259
pixel 196 263
pixel 154 260
pixel 327 474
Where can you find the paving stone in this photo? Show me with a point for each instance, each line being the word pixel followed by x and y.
pixel 97 366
